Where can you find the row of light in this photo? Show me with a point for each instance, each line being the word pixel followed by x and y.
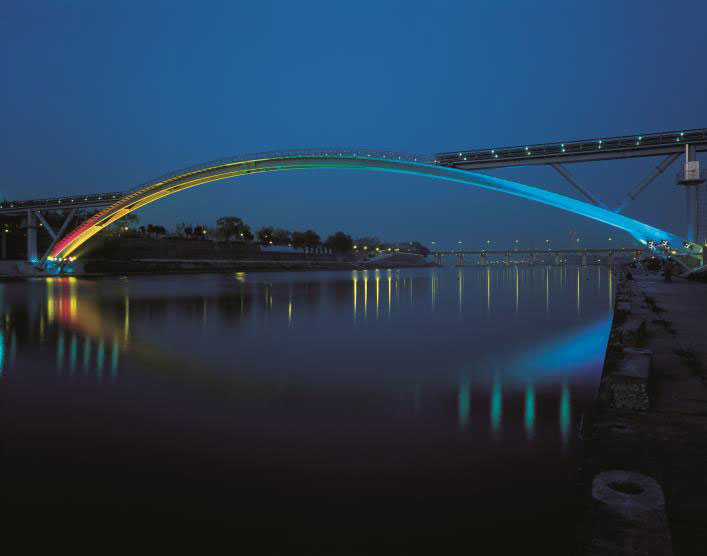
pixel 665 243
pixel 599 144
pixel 61 259
pixel 100 198
pixel 365 248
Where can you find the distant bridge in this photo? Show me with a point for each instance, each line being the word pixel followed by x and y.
pixel 444 166
pixel 506 253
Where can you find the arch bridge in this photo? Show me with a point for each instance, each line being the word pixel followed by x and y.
pixel 116 206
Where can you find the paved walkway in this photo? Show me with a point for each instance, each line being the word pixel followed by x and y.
pixel 669 441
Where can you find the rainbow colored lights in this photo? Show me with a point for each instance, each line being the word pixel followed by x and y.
pixel 345 159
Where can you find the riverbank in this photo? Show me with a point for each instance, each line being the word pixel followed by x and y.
pixel 656 427
pixel 102 267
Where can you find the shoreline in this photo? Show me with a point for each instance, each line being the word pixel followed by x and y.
pixel 649 422
pixel 89 268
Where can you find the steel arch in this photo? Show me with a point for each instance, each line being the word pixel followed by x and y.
pixel 421 165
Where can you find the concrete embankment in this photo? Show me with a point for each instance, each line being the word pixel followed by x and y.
pixel 645 472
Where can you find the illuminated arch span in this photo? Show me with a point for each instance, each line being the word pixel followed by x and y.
pixel 420 165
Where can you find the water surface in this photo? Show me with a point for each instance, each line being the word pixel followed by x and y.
pixel 348 408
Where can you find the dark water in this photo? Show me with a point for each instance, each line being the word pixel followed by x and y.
pixel 341 410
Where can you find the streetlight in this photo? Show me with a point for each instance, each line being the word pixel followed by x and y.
pixel 460 245
pixel 547 244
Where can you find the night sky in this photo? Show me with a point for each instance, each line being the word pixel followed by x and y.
pixel 101 96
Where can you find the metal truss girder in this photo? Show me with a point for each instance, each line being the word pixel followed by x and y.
pixel 46 225
pixel 571 179
pixel 657 171
pixel 58 235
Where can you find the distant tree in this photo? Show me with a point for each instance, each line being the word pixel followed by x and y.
pixel 311 239
pixel 265 235
pixel 299 240
pixel 280 236
pixel 200 232
pixel 367 243
pixel 188 231
pixel 153 231
pixel 245 234
pixel 233 227
pixel 339 242
pixel 417 247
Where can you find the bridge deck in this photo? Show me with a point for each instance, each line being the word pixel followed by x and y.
pixel 60 203
pixel 541 251
pixel 587 150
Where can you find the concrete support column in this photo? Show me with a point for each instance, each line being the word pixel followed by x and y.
pixel 31 236
pixel 558 261
pixel 691 179
pixel 460 259
pixel 611 258
pixel 532 258
pixel 482 259
pixel 584 259
pixel 508 258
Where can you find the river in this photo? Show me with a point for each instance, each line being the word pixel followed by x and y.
pixel 407 406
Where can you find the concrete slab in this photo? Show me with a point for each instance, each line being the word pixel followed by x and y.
pixel 628 384
pixel 630 516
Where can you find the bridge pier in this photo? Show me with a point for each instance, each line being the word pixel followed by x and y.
pixel 558 260
pixel 482 259
pixel 31 235
pixel 508 258
pixel 692 179
pixel 438 259
pixel 584 259
pixel 532 259
pixel 611 258
pixel 460 259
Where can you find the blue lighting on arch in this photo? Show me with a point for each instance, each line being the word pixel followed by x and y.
pixel 352 160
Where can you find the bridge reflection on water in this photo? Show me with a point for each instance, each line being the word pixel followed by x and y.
pixel 90 328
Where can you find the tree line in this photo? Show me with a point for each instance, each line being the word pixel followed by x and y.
pixel 227 228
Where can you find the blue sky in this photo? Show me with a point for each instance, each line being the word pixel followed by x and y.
pixel 101 96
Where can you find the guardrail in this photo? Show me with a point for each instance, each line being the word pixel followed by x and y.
pixel 633 142
pixel 300 153
pixel 68 201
